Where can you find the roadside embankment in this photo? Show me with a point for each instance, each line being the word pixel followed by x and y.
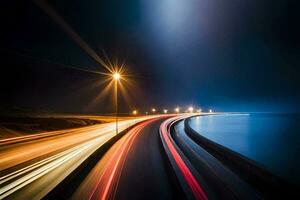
pixel 15 125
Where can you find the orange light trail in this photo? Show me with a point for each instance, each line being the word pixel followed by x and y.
pixel 33 165
pixel 103 180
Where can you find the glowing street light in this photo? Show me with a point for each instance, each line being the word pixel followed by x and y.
pixel 210 111
pixel 191 109
pixel 116 76
pixel 177 109
pixel 134 112
pixel 199 110
pixel 165 111
pixel 153 110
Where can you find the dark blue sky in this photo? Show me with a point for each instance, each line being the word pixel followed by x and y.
pixel 229 55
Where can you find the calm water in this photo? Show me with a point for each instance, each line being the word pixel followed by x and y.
pixel 272 140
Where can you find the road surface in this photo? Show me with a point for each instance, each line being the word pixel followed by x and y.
pixel 33 165
pixel 134 168
pixel 155 159
pixel 144 164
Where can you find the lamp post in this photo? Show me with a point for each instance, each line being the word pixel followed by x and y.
pixel 153 110
pixel 116 76
pixel 134 112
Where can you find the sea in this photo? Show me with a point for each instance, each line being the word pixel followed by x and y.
pixel 272 140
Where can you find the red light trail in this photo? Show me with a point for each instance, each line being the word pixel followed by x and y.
pixel 107 184
pixel 185 171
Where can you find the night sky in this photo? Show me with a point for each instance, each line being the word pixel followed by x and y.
pixel 227 55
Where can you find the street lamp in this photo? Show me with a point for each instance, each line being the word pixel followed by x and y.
pixel 191 109
pixel 153 110
pixel 177 109
pixel 210 111
pixel 134 112
pixel 116 76
pixel 165 111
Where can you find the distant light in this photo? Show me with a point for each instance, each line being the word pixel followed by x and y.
pixel 165 111
pixel 191 109
pixel 116 76
pixel 177 110
pixel 146 113
pixel 210 111
pixel 153 110
pixel 134 112
pixel 199 110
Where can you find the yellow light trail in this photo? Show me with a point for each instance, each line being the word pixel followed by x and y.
pixel 65 153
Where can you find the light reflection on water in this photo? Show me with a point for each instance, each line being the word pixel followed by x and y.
pixel 272 140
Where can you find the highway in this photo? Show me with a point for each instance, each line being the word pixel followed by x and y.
pixel 134 168
pixel 154 159
pixel 138 167
pixel 31 166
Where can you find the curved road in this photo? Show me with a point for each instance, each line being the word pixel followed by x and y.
pixel 144 164
pixel 134 168
pixel 154 160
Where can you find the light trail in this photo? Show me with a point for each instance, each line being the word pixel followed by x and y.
pixel 170 147
pixel 32 168
pixel 55 141
pixel 103 180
